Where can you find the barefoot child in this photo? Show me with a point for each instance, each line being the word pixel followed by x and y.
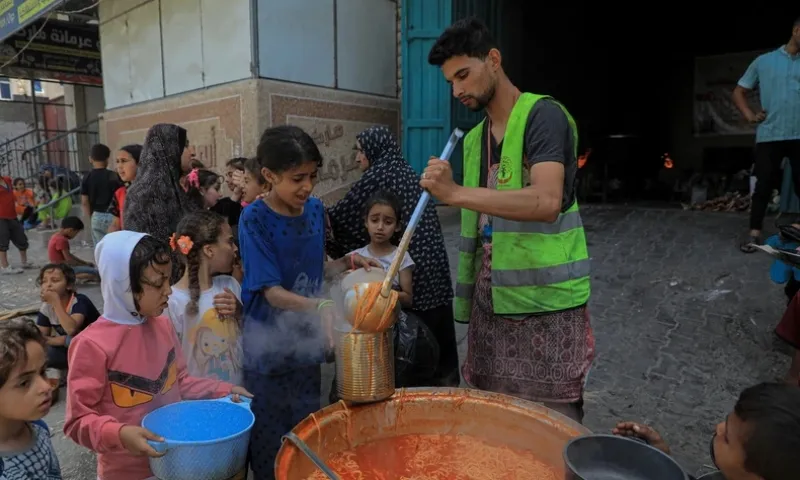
pixel 64 312
pixel 204 307
pixel 129 362
pixel 25 398
pixel 282 241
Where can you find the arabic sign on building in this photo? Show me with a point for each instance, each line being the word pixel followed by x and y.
pixel 336 140
pixel 15 14
pixel 61 51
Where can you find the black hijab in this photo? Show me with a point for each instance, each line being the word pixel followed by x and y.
pixel 155 201
pixel 388 170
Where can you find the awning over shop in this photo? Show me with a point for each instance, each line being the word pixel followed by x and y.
pixel 16 14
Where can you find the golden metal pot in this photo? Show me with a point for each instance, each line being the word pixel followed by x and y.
pixel 492 417
pixel 364 365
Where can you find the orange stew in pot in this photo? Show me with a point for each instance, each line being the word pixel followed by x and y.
pixel 435 457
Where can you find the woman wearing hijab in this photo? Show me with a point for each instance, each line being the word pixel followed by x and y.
pixel 155 201
pixel 384 167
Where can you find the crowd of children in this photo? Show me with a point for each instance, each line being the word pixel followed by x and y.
pixel 210 334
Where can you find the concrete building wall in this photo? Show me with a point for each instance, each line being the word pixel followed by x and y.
pixel 226 121
pixel 155 48
pixel 331 84
pixel 343 44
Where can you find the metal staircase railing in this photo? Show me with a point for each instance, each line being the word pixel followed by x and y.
pixel 11 150
pixel 67 150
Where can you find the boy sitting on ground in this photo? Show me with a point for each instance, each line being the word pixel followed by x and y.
pixel 759 439
pixel 58 250
pixel 64 312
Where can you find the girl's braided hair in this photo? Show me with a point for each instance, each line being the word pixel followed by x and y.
pixel 202 227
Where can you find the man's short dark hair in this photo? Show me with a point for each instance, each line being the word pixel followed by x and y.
pixel 74 223
pixel 772 427
pixel 99 153
pixel 469 36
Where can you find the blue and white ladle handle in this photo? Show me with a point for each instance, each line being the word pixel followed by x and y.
pixel 415 217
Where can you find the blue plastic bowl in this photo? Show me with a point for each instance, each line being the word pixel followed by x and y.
pixel 204 439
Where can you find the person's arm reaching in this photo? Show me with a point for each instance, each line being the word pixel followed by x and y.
pixel 86 382
pixel 71 259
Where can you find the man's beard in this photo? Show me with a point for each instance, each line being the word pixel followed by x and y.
pixel 482 100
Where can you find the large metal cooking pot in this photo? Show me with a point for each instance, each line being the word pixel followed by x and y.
pixel 491 417
pixel 611 457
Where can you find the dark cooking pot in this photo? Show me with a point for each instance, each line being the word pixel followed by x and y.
pixel 610 457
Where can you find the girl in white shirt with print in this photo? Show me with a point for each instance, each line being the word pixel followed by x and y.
pixel 205 306
pixel 382 219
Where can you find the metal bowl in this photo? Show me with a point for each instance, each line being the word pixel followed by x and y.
pixel 491 417
pixel 352 287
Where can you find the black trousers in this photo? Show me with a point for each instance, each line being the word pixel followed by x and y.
pixel 769 156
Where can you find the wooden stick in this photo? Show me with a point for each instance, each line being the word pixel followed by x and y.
pixel 18 312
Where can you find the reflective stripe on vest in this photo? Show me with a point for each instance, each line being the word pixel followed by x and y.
pixel 536 267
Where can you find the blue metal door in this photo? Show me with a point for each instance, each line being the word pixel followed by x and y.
pixel 426 96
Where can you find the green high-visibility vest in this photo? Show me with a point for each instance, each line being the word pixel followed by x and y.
pixel 536 267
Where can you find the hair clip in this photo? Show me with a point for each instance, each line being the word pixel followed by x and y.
pixel 183 244
pixel 193 179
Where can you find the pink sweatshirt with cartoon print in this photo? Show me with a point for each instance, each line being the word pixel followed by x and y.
pixel 118 373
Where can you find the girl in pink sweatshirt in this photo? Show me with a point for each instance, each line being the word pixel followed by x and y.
pixel 129 362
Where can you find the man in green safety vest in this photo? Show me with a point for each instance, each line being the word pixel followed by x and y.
pixel 523 267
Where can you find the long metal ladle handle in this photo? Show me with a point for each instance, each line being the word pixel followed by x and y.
pixel 415 217
pixel 311 455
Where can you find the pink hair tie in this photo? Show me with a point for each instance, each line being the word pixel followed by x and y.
pixel 193 180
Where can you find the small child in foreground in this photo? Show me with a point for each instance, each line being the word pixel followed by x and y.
pixel 25 398
pixel 130 361
pixel 759 439
pixel 205 305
